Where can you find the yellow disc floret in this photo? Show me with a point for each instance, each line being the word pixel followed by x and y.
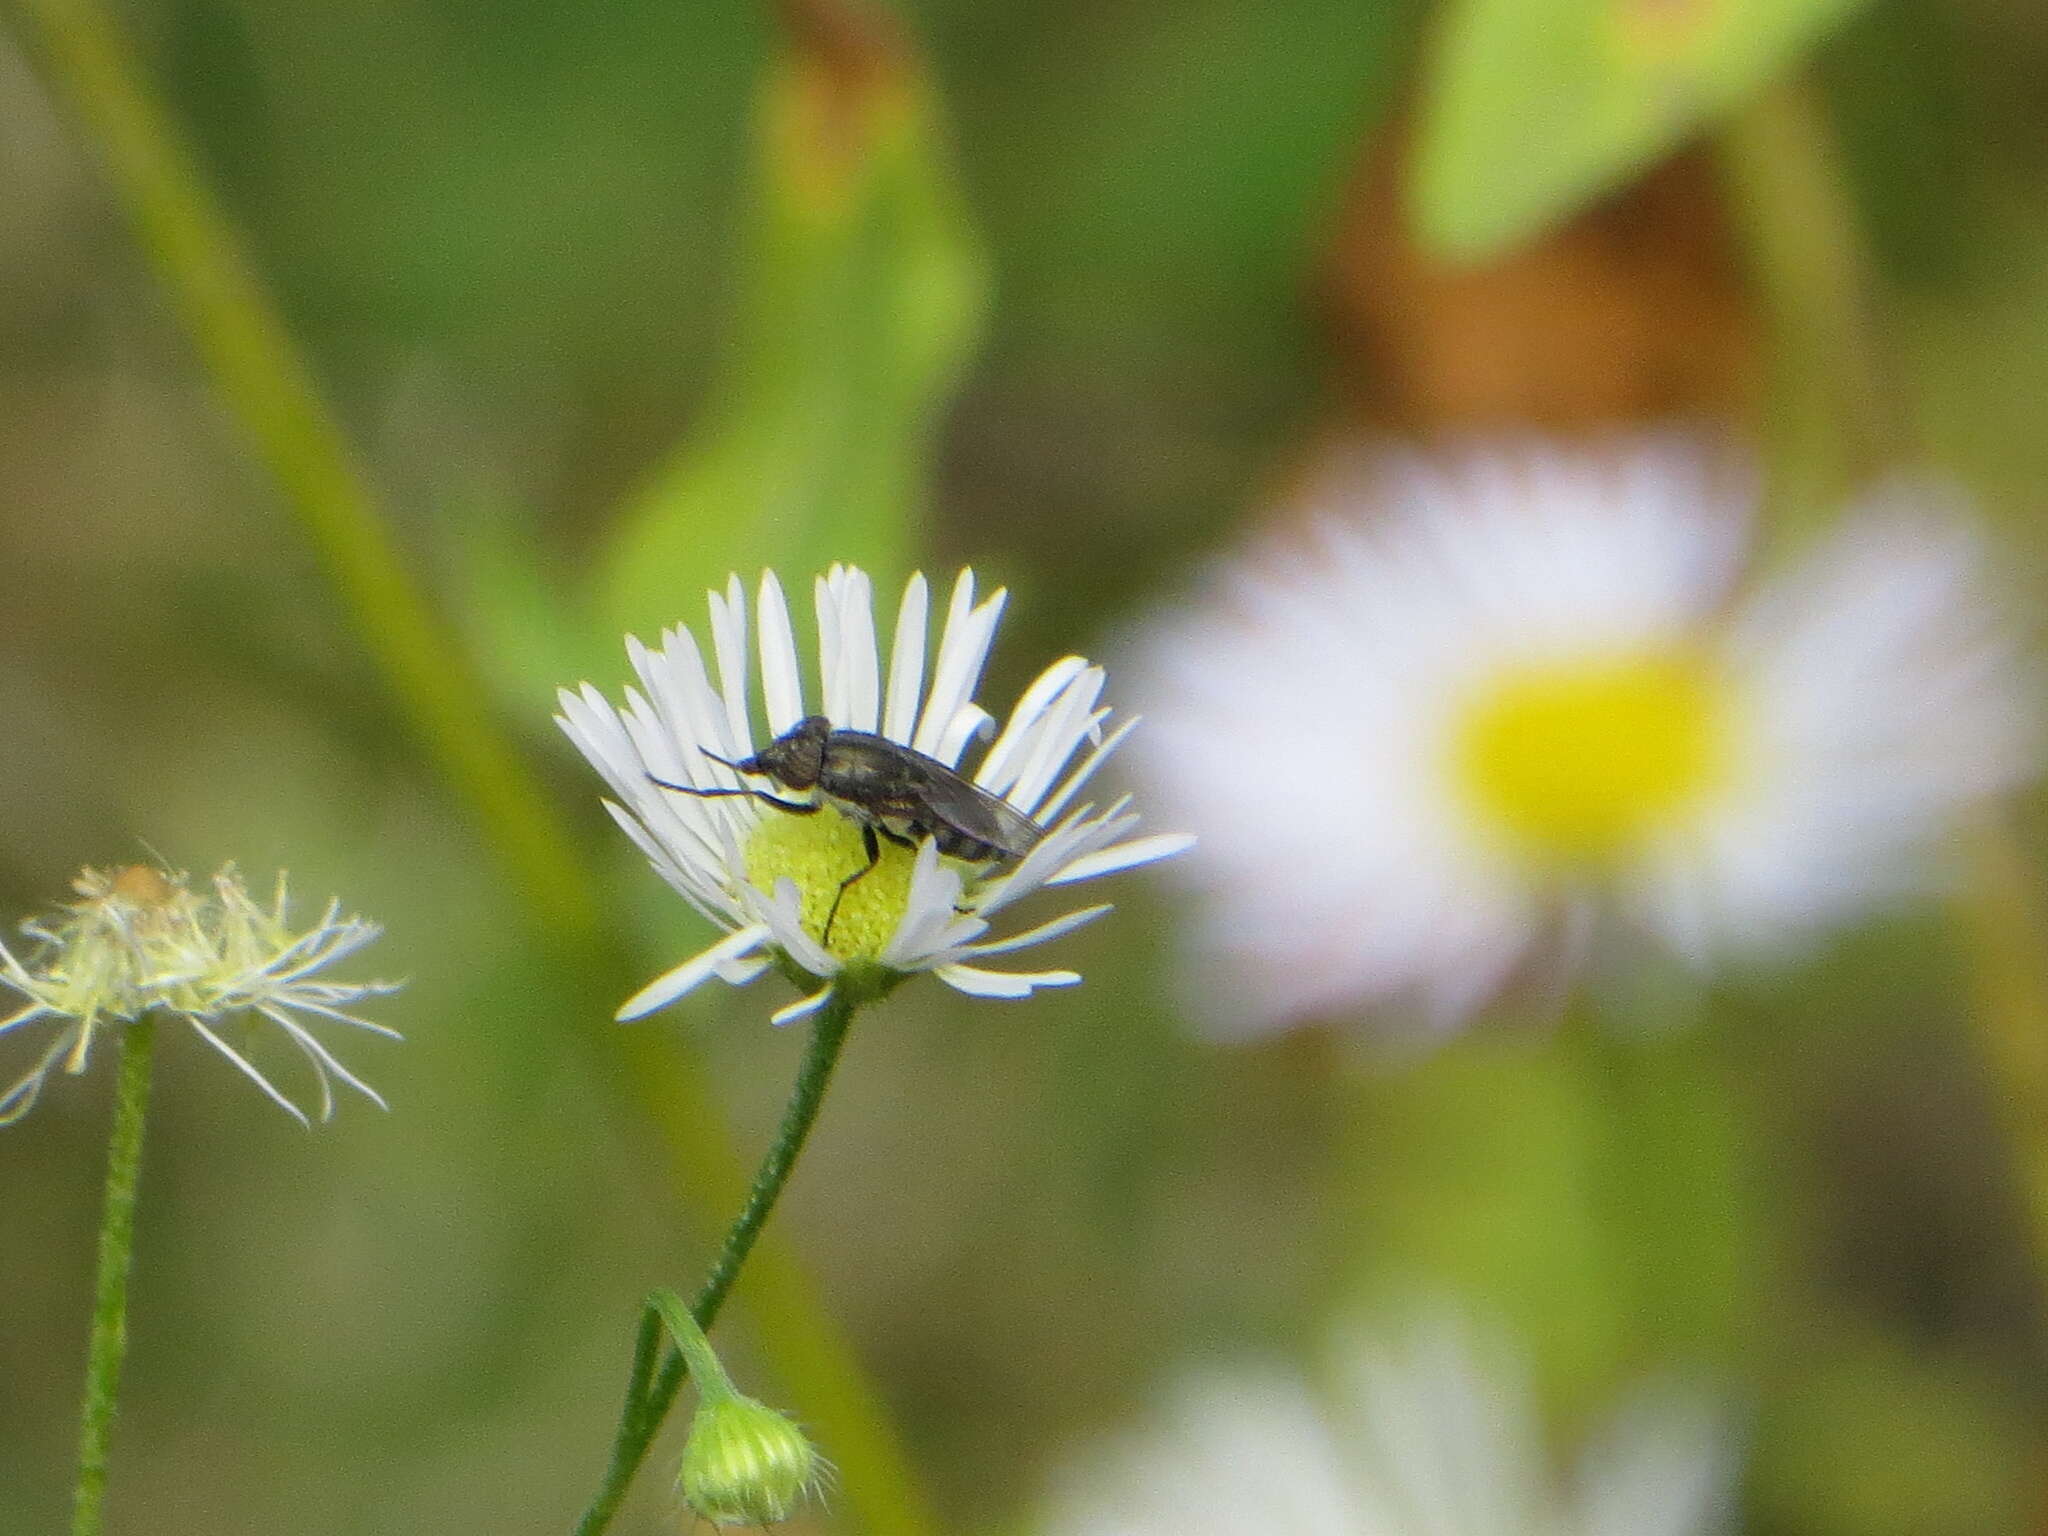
pixel 1578 762
pixel 820 851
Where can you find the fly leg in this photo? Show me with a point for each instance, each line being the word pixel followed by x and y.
pixel 794 807
pixel 873 845
pixel 870 839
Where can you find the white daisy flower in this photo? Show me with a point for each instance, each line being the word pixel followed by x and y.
pixel 1485 700
pixel 1421 1434
pixel 141 941
pixel 771 878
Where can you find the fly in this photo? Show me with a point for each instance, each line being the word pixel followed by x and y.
pixel 893 792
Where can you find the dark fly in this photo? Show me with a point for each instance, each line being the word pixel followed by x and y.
pixel 893 792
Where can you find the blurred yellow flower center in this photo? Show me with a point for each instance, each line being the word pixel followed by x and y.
pixel 1578 762
pixel 818 852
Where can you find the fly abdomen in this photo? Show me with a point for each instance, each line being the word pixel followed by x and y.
pixel 955 844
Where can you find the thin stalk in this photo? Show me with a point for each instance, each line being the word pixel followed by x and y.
pixel 1796 217
pixel 2006 935
pixel 691 1341
pixel 645 1410
pixel 1813 267
pixel 270 390
pixel 110 1288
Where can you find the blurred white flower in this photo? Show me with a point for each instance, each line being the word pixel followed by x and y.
pixel 770 878
pixel 1485 700
pixel 139 940
pixel 1419 1434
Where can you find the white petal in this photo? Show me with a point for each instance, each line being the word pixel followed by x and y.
pixel 802 1008
pixel 999 769
pixel 906 662
pixel 781 687
pixel 1250 1441
pixel 243 1066
pixel 1080 834
pixel 21 1097
pixel 729 643
pixel 692 872
pixel 831 655
pixel 1065 726
pixel 1664 1467
pixel 927 912
pixel 665 989
pixel 858 664
pixel 1445 1444
pixel 324 1062
pixel 30 1012
pixel 691 713
pixel 1143 850
pixel 1038 935
pixel 976 982
pixel 737 973
pixel 969 721
pixel 938 713
pixel 962 650
pixel 782 911
pixel 1058 800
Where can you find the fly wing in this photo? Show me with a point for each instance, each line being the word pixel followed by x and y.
pixel 885 780
pixel 972 811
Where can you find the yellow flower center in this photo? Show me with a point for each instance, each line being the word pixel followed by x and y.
pixel 1578 762
pixel 820 851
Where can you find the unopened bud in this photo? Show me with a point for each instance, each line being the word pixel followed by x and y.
pixel 745 1464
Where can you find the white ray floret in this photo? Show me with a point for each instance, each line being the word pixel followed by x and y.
pixel 762 874
pixel 1423 1433
pixel 1486 711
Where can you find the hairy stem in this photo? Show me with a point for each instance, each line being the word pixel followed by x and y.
pixel 647 1404
pixel 110 1288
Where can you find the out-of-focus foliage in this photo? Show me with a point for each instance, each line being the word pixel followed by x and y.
pixel 1061 317
pixel 1531 108
pixel 859 291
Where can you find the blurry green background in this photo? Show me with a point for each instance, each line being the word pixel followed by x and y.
pixel 582 288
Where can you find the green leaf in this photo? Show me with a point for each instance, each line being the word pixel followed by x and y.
pixel 1532 108
pixel 861 294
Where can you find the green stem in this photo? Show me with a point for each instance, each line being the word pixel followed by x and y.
pixel 645 1410
pixel 1837 413
pixel 110 1290
pixel 271 391
pixel 699 1360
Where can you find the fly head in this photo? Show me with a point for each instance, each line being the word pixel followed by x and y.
pixel 796 757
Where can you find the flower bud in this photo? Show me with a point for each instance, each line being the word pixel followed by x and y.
pixel 745 1464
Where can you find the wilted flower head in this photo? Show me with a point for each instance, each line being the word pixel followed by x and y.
pixel 770 878
pixel 1484 701
pixel 139 940
pixel 1420 1432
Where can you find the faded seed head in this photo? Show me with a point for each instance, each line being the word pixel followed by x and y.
pixel 107 950
pixel 139 940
